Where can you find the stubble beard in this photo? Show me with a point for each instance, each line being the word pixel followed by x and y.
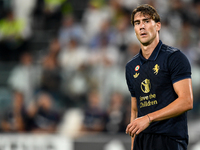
pixel 147 42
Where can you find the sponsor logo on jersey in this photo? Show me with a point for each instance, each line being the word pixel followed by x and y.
pixel 136 75
pixel 146 86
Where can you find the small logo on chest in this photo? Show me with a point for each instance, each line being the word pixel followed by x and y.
pixel 156 69
pixel 137 68
pixel 136 75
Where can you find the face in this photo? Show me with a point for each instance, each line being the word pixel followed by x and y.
pixel 146 29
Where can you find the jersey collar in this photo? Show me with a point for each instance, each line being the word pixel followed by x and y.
pixel 153 55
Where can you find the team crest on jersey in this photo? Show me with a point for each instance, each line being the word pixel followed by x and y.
pixel 136 75
pixel 156 69
pixel 137 68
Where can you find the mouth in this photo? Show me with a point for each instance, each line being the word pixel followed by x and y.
pixel 143 34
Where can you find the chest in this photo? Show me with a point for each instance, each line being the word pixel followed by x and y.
pixel 151 75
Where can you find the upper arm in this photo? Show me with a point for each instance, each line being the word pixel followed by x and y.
pixel 134 109
pixel 128 81
pixel 180 70
pixel 183 89
pixel 179 66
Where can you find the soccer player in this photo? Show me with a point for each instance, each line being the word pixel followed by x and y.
pixel 159 80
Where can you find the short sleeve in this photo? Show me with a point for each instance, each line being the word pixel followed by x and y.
pixel 130 86
pixel 179 66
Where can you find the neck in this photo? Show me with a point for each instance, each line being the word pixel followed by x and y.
pixel 148 49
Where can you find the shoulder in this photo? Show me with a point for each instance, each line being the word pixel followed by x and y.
pixel 133 61
pixel 169 49
pixel 172 52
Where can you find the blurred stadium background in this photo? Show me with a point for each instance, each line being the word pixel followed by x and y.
pixel 62 77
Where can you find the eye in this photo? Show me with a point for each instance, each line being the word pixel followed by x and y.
pixel 147 21
pixel 136 23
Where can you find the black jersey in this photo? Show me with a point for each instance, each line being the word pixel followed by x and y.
pixel 151 82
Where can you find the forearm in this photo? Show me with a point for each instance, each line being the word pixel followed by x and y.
pixel 134 114
pixel 183 103
pixel 133 137
pixel 132 142
pixel 177 107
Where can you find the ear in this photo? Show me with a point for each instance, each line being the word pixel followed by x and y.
pixel 158 26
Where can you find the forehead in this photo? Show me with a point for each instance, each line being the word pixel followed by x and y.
pixel 140 15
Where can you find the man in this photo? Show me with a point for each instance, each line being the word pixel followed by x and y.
pixel 159 80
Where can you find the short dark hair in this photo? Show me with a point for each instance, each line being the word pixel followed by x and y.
pixel 146 9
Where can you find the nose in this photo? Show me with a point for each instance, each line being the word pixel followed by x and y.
pixel 142 25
